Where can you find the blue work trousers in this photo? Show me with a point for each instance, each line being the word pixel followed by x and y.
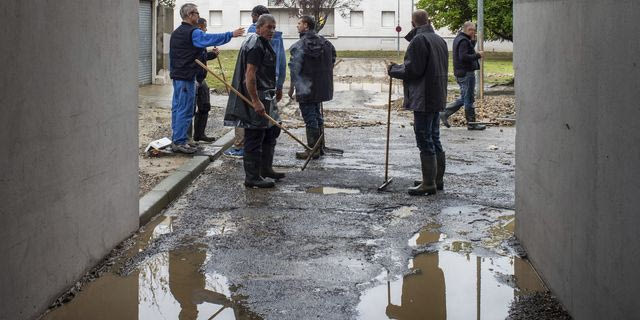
pixel 467 94
pixel 311 115
pixel 426 126
pixel 184 97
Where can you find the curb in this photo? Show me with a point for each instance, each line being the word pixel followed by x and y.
pixel 156 200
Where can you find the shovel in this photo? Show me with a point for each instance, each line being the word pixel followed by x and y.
pixel 387 180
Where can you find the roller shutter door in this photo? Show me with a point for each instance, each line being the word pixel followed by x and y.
pixel 145 41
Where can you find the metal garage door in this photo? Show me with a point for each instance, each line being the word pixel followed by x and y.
pixel 145 37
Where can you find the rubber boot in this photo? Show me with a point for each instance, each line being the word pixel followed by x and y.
pixel 471 117
pixel 199 126
pixel 441 165
pixel 313 134
pixel 266 165
pixel 444 116
pixel 253 179
pixel 428 185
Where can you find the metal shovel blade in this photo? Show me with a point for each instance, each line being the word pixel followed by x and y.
pixel 385 184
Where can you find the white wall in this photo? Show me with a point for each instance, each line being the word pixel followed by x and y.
pixel 370 36
pixel 68 131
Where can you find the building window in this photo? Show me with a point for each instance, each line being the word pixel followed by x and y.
pixel 215 17
pixel 357 19
pixel 388 18
pixel 245 18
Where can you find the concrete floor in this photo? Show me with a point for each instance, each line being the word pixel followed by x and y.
pixel 350 252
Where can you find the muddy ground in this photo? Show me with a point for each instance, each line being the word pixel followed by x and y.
pixel 325 243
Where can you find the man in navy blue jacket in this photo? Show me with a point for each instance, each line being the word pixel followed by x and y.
pixel 465 63
pixel 186 45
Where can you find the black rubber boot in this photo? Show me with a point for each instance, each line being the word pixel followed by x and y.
pixel 253 179
pixel 313 134
pixel 266 165
pixel 471 117
pixel 428 185
pixel 441 165
pixel 199 126
pixel 444 116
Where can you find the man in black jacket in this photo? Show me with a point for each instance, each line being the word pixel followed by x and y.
pixel 311 65
pixel 425 74
pixel 465 63
pixel 255 78
pixel 203 97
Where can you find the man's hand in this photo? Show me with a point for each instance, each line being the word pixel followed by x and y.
pixel 481 53
pixel 291 91
pixel 259 108
pixel 215 51
pixel 278 95
pixel 389 67
pixel 238 32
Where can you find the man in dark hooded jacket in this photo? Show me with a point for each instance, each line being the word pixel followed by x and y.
pixel 425 76
pixel 311 67
pixel 255 78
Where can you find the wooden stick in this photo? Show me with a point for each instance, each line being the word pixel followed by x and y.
pixel 313 151
pixel 273 121
pixel 222 71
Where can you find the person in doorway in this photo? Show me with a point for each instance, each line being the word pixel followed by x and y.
pixel 203 97
pixel 277 43
pixel 186 45
pixel 311 68
pixel 465 63
pixel 425 74
pixel 255 78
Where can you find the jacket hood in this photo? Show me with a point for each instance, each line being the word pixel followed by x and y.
pixel 422 29
pixel 312 43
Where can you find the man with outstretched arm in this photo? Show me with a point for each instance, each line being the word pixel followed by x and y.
pixel 425 74
pixel 186 45
pixel 255 78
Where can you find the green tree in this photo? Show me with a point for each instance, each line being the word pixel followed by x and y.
pixel 498 15
pixel 319 9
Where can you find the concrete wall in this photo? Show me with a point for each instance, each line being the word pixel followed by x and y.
pixel 578 150
pixel 68 133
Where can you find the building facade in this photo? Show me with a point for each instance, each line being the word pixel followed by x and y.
pixel 371 26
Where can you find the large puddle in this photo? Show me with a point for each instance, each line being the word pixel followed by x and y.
pixel 447 284
pixel 169 285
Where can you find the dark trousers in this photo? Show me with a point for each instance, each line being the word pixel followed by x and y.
pixel 467 94
pixel 311 115
pixel 203 99
pixel 427 129
pixel 255 139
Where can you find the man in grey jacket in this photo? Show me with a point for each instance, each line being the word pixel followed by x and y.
pixel 425 76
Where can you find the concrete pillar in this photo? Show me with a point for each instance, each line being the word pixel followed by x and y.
pixel 68 133
pixel 577 66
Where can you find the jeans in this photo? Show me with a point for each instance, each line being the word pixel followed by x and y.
pixel 184 96
pixel 311 115
pixel 467 94
pixel 255 139
pixel 427 129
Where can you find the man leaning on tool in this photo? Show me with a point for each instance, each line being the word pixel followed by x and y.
pixel 465 63
pixel 311 68
pixel 424 74
pixel 186 45
pixel 255 77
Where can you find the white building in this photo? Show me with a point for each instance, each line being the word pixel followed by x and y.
pixel 371 26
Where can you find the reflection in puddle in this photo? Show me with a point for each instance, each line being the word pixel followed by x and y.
pixel 450 285
pixel 168 285
pixel 329 190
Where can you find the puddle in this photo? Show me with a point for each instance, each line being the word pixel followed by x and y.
pixel 427 236
pixel 168 285
pixel 330 190
pixel 448 285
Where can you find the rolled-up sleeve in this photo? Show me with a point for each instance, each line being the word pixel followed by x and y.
pixel 203 40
